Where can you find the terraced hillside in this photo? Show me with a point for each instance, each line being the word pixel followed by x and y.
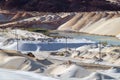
pixel 102 23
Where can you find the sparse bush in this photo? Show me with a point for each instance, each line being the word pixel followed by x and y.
pixel 104 43
pixel 62 54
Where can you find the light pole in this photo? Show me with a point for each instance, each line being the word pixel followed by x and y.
pixel 66 44
pixel 16 36
pixel 3 30
pixel 99 46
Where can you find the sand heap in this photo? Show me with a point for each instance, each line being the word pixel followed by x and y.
pixel 109 55
pixel 98 76
pixel 112 74
pixel 26 34
pixel 114 70
pixel 12 60
pixel 102 23
pixel 84 48
pixel 68 71
pixel 6 74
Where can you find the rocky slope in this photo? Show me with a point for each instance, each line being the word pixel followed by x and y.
pixel 31 19
pixel 60 5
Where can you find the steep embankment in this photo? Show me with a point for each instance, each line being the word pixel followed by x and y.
pixel 32 19
pixel 102 23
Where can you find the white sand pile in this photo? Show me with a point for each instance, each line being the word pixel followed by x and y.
pixel 80 50
pixel 2 39
pixel 83 48
pixel 26 34
pixel 88 52
pixel 113 72
pixel 118 36
pixel 19 63
pixel 94 50
pixel 117 62
pixel 98 76
pixel 108 57
pixel 90 55
pixel 69 71
pixel 9 45
pixel 21 75
pixel 75 54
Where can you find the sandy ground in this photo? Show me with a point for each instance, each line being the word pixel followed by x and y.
pixel 56 66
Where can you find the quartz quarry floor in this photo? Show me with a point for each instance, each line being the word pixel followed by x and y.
pixel 81 63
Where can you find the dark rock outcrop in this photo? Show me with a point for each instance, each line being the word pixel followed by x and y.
pixel 60 5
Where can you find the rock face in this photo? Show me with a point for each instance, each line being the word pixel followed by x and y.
pixel 39 20
pixel 60 5
pixel 102 23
